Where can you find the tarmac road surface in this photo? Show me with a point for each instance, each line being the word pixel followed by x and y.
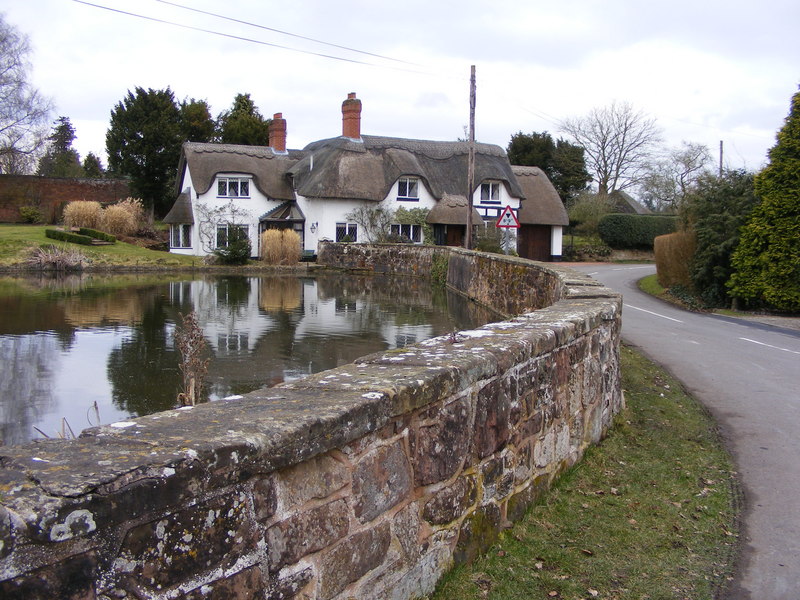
pixel 748 376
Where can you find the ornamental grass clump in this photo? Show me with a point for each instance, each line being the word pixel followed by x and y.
pixel 118 220
pixel 83 213
pixel 280 247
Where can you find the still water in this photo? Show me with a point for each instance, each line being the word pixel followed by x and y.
pixel 86 348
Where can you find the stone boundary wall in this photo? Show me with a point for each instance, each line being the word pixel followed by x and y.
pixel 365 481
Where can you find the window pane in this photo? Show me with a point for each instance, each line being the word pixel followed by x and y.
pixel 233 188
pixel 222 236
pixel 495 191
pixel 222 187
pixel 352 231
pixel 416 231
pixel 485 191
pixel 341 231
pixel 186 230
pixel 412 188
pixel 402 188
pixel 244 188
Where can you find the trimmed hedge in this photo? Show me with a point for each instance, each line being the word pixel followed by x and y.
pixel 68 236
pixel 623 231
pixel 98 235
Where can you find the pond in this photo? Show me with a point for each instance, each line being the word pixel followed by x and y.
pixel 85 349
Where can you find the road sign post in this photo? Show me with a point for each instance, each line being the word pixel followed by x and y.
pixel 508 220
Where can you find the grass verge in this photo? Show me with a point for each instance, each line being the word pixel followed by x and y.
pixel 16 240
pixel 649 513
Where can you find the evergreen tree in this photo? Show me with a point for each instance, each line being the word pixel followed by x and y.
pixel 715 210
pixel 243 124
pixel 196 122
pixel 61 159
pixel 561 161
pixel 92 167
pixel 767 260
pixel 144 143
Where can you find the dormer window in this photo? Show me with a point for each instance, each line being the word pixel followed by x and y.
pixel 408 189
pixel 490 192
pixel 233 187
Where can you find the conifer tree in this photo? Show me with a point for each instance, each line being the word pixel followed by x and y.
pixel 767 260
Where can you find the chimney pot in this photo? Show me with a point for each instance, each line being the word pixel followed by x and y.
pixel 351 117
pixel 277 133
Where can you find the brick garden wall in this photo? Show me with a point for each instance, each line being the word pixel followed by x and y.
pixel 365 481
pixel 51 194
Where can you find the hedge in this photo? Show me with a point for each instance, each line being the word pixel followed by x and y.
pixel 98 235
pixel 68 236
pixel 634 231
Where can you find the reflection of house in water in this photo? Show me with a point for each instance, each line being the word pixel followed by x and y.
pixel 227 310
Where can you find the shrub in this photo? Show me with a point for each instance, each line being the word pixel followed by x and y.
pixel 271 241
pixel 290 247
pixel 82 214
pixel 98 235
pixel 237 252
pixel 634 231
pixel 50 257
pixel 68 236
pixel 674 253
pixel 280 247
pixel 31 214
pixel 118 220
pixel 135 208
pixel 586 211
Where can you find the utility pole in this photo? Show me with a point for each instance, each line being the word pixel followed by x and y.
pixel 471 160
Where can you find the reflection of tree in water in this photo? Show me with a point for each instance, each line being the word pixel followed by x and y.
pixel 26 384
pixel 143 371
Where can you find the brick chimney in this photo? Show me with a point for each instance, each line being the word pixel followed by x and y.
pixel 351 117
pixel 277 133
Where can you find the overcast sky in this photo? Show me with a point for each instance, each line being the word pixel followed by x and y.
pixel 707 70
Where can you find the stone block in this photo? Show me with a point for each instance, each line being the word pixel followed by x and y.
pixel 478 531
pixel 405 527
pixel 381 479
pixel 352 559
pixel 316 478
pixel 519 503
pixel 451 502
pixel 72 578
pixel 438 449
pixel 303 533
pixel 265 498
pixel 167 551
pixel 244 585
pixel 492 417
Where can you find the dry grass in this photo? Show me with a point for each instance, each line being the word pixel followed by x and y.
pixel 118 220
pixel 280 247
pixel 83 214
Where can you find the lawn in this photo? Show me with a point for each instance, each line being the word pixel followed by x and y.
pixel 16 240
pixel 649 513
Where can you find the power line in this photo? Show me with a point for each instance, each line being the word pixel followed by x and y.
pixel 245 39
pixel 295 35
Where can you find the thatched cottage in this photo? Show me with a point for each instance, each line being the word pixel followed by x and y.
pixel 316 191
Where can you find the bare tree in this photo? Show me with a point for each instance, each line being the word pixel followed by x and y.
pixel 668 180
pixel 618 142
pixel 24 112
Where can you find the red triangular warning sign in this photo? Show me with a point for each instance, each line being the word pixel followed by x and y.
pixel 508 218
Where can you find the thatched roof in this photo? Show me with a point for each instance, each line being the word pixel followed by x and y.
pixel 452 210
pixel 268 169
pixel 181 211
pixel 542 204
pixel 625 203
pixel 366 169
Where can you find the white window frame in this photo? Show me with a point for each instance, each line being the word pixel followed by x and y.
pixel 408 189
pixel 227 227
pixel 490 192
pixel 233 184
pixel 182 234
pixel 346 229
pixel 412 231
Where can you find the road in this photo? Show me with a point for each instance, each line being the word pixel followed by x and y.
pixel 748 376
